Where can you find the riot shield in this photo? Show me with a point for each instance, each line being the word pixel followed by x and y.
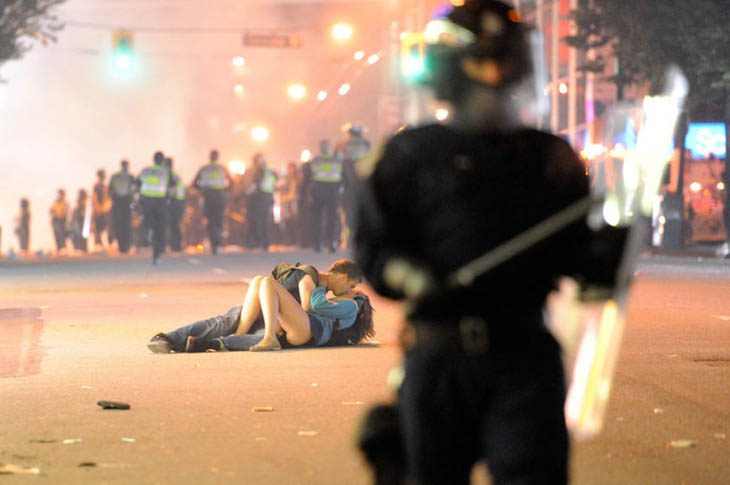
pixel 592 328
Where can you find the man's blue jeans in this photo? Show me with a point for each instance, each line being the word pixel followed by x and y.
pixel 220 327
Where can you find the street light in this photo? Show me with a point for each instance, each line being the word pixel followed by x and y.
pixel 260 133
pixel 359 55
pixel 372 59
pixel 237 167
pixel 306 155
pixel 238 61
pixel 344 89
pixel 442 114
pixel 322 95
pixel 239 89
pixel 296 91
pixel 342 32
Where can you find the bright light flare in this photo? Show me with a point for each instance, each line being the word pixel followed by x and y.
pixel 238 61
pixel 695 186
pixel 237 167
pixel 123 62
pixel 260 133
pixel 442 114
pixel 373 58
pixel 322 95
pixel 306 155
pixel 563 88
pixel 344 89
pixel 359 55
pixel 342 32
pixel 296 91
pixel 720 186
pixel 239 89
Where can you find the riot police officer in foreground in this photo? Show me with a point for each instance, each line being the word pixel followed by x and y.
pixel 154 183
pixel 483 376
pixel 326 183
pixel 214 181
pixel 121 189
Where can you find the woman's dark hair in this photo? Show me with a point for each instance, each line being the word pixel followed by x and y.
pixel 362 328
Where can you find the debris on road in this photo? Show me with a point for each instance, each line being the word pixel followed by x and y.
pixel 307 433
pixel 262 409
pixel 113 405
pixel 352 403
pixel 10 469
pixel 42 440
pixel 71 441
pixel 129 440
pixel 658 411
pixel 87 464
pixel 314 384
pixel 719 436
pixel 682 444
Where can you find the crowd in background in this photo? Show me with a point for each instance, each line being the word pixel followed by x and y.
pixel 301 205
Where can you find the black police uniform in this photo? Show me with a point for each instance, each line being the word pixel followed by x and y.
pixel 441 198
pixel 121 188
pixel 326 183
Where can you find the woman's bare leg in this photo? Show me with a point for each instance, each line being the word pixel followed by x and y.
pixel 251 306
pixel 281 309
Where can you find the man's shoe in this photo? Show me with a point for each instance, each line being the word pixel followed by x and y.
pixel 159 344
pixel 195 344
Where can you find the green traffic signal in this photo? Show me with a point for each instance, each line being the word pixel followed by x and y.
pixel 122 51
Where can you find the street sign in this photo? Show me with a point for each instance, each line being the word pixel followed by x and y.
pixel 272 39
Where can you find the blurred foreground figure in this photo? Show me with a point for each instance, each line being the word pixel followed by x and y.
pixel 214 181
pixel 59 220
pixel 483 376
pixel 154 183
pixel 121 189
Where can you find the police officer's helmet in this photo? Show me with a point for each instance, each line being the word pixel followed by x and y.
pixel 158 158
pixel 482 41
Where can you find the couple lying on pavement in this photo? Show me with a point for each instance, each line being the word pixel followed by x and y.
pixel 287 309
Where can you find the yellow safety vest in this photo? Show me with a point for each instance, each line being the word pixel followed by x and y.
pixel 154 182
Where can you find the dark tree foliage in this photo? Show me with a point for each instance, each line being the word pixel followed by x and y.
pixel 23 22
pixel 646 36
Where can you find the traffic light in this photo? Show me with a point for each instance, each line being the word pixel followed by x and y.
pixel 412 56
pixel 122 50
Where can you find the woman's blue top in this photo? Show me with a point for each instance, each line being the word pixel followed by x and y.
pixel 329 312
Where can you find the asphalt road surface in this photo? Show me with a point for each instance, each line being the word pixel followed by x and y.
pixel 78 336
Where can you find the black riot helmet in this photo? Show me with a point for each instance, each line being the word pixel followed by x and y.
pixel 482 42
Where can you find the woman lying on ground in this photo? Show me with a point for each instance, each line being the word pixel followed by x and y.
pixel 271 318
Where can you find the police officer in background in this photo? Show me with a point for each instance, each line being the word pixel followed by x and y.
pixel 175 207
pixel 326 182
pixel 121 189
pixel 483 376
pixel 214 181
pixel 260 203
pixel 154 183
pixel 350 152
